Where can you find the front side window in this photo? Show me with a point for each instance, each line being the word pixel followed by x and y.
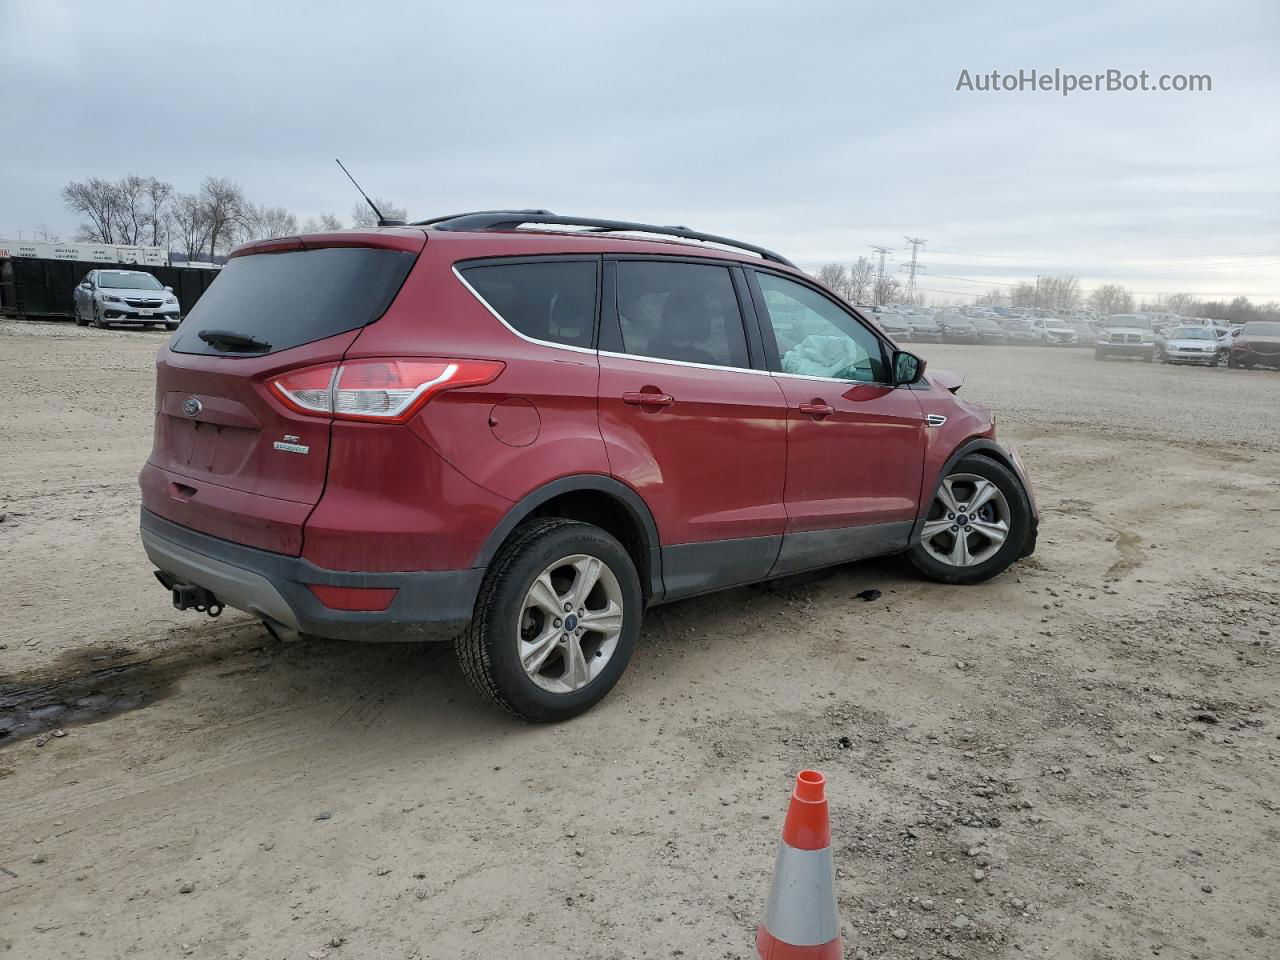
pixel 553 301
pixel 680 311
pixel 818 339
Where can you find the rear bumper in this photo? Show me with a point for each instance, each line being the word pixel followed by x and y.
pixel 428 605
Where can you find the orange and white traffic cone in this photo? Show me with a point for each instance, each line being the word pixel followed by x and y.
pixel 800 917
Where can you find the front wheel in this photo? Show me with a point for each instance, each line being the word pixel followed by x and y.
pixel 555 622
pixel 976 526
pixel 98 321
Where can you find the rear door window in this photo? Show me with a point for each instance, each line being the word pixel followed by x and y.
pixel 680 311
pixel 553 301
pixel 288 299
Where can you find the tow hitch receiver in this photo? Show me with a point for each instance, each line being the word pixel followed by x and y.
pixel 189 596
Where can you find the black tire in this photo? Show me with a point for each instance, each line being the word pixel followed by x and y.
pixel 171 325
pixel 487 650
pixel 1012 548
pixel 75 312
pixel 1231 362
pixel 98 322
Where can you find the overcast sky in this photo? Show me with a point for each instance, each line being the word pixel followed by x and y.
pixel 816 129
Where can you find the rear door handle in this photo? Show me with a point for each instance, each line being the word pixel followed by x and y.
pixel 817 408
pixel 647 399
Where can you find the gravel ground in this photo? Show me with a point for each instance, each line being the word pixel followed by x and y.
pixel 1078 759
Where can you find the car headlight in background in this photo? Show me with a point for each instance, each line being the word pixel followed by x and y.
pixel 110 299
pixel 171 299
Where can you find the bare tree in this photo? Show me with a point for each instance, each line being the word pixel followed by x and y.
pixel 224 205
pixel 259 223
pixel 46 233
pixel 190 219
pixel 1060 293
pixel 861 272
pixel 885 290
pixel 131 209
pixel 159 195
pixel 992 298
pixel 835 277
pixel 325 223
pixel 1183 304
pixel 362 216
pixel 1111 298
pixel 97 200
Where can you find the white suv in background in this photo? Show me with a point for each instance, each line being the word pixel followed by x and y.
pixel 105 297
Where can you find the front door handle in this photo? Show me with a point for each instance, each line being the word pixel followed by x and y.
pixel 648 399
pixel 817 408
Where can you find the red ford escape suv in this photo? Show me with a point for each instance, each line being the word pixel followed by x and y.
pixel 520 438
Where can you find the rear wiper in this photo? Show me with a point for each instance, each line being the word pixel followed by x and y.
pixel 229 340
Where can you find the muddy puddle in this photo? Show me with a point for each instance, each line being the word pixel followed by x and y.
pixel 85 686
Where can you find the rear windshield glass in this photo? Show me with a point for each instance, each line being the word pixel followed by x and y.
pixel 288 299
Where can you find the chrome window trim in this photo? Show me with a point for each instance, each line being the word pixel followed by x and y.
pixel 501 319
pixel 856 383
pixel 682 363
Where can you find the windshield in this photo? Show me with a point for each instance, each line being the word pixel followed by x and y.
pixel 1191 333
pixel 1261 329
pixel 122 280
pixel 1127 320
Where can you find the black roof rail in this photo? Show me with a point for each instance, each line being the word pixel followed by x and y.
pixel 512 219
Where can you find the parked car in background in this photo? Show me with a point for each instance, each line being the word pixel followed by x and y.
pixel 924 329
pixel 1022 331
pixel 105 297
pixel 989 331
pixel 441 431
pixel 1084 331
pixel 1056 332
pixel 957 328
pixel 1189 344
pixel 1258 342
pixel 1126 335
pixel 894 325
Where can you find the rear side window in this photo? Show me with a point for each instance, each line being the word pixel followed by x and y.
pixel 680 311
pixel 288 299
pixel 553 301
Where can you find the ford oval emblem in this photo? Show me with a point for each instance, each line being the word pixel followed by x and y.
pixel 192 407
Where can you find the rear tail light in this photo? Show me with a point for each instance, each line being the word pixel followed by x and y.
pixel 381 390
pixel 362 599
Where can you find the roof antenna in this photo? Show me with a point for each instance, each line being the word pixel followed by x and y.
pixel 382 221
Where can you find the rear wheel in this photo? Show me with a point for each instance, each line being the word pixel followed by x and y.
pixel 976 526
pixel 555 622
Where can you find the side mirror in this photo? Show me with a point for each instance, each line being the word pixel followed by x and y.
pixel 907 368
pixel 170 289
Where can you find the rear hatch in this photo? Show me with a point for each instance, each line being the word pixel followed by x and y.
pixel 229 458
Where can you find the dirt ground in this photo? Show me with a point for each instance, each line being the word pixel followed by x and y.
pixel 1078 759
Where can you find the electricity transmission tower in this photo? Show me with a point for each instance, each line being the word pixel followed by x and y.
pixel 884 252
pixel 914 267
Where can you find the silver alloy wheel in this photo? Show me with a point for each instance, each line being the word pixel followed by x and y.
pixel 968 521
pixel 570 623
